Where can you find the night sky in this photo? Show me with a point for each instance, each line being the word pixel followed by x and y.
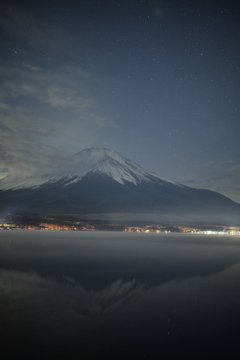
pixel 157 81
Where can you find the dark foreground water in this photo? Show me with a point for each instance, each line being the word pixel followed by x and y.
pixel 92 295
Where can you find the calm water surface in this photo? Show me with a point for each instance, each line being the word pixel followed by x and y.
pixel 92 295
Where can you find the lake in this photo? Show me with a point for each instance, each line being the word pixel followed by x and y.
pixel 115 295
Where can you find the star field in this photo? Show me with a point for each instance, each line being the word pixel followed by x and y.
pixel 157 81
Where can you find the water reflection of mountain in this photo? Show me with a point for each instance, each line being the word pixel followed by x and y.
pixel 25 290
pixel 122 320
pixel 109 299
pixel 37 295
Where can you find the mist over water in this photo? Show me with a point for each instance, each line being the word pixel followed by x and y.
pixel 119 295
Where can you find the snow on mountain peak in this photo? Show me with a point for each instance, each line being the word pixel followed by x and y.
pixel 91 161
pixel 108 162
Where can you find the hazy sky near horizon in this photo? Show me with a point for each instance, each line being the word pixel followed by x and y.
pixel 157 81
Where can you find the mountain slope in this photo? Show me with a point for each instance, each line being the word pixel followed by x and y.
pixel 102 181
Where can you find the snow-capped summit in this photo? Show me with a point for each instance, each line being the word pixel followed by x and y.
pixel 110 163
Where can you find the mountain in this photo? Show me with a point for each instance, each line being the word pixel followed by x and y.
pixel 91 161
pixel 102 181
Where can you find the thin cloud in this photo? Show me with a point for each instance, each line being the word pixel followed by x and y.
pixel 223 177
pixel 46 115
pixel 48 112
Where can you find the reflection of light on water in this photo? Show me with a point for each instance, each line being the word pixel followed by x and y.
pixel 31 290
